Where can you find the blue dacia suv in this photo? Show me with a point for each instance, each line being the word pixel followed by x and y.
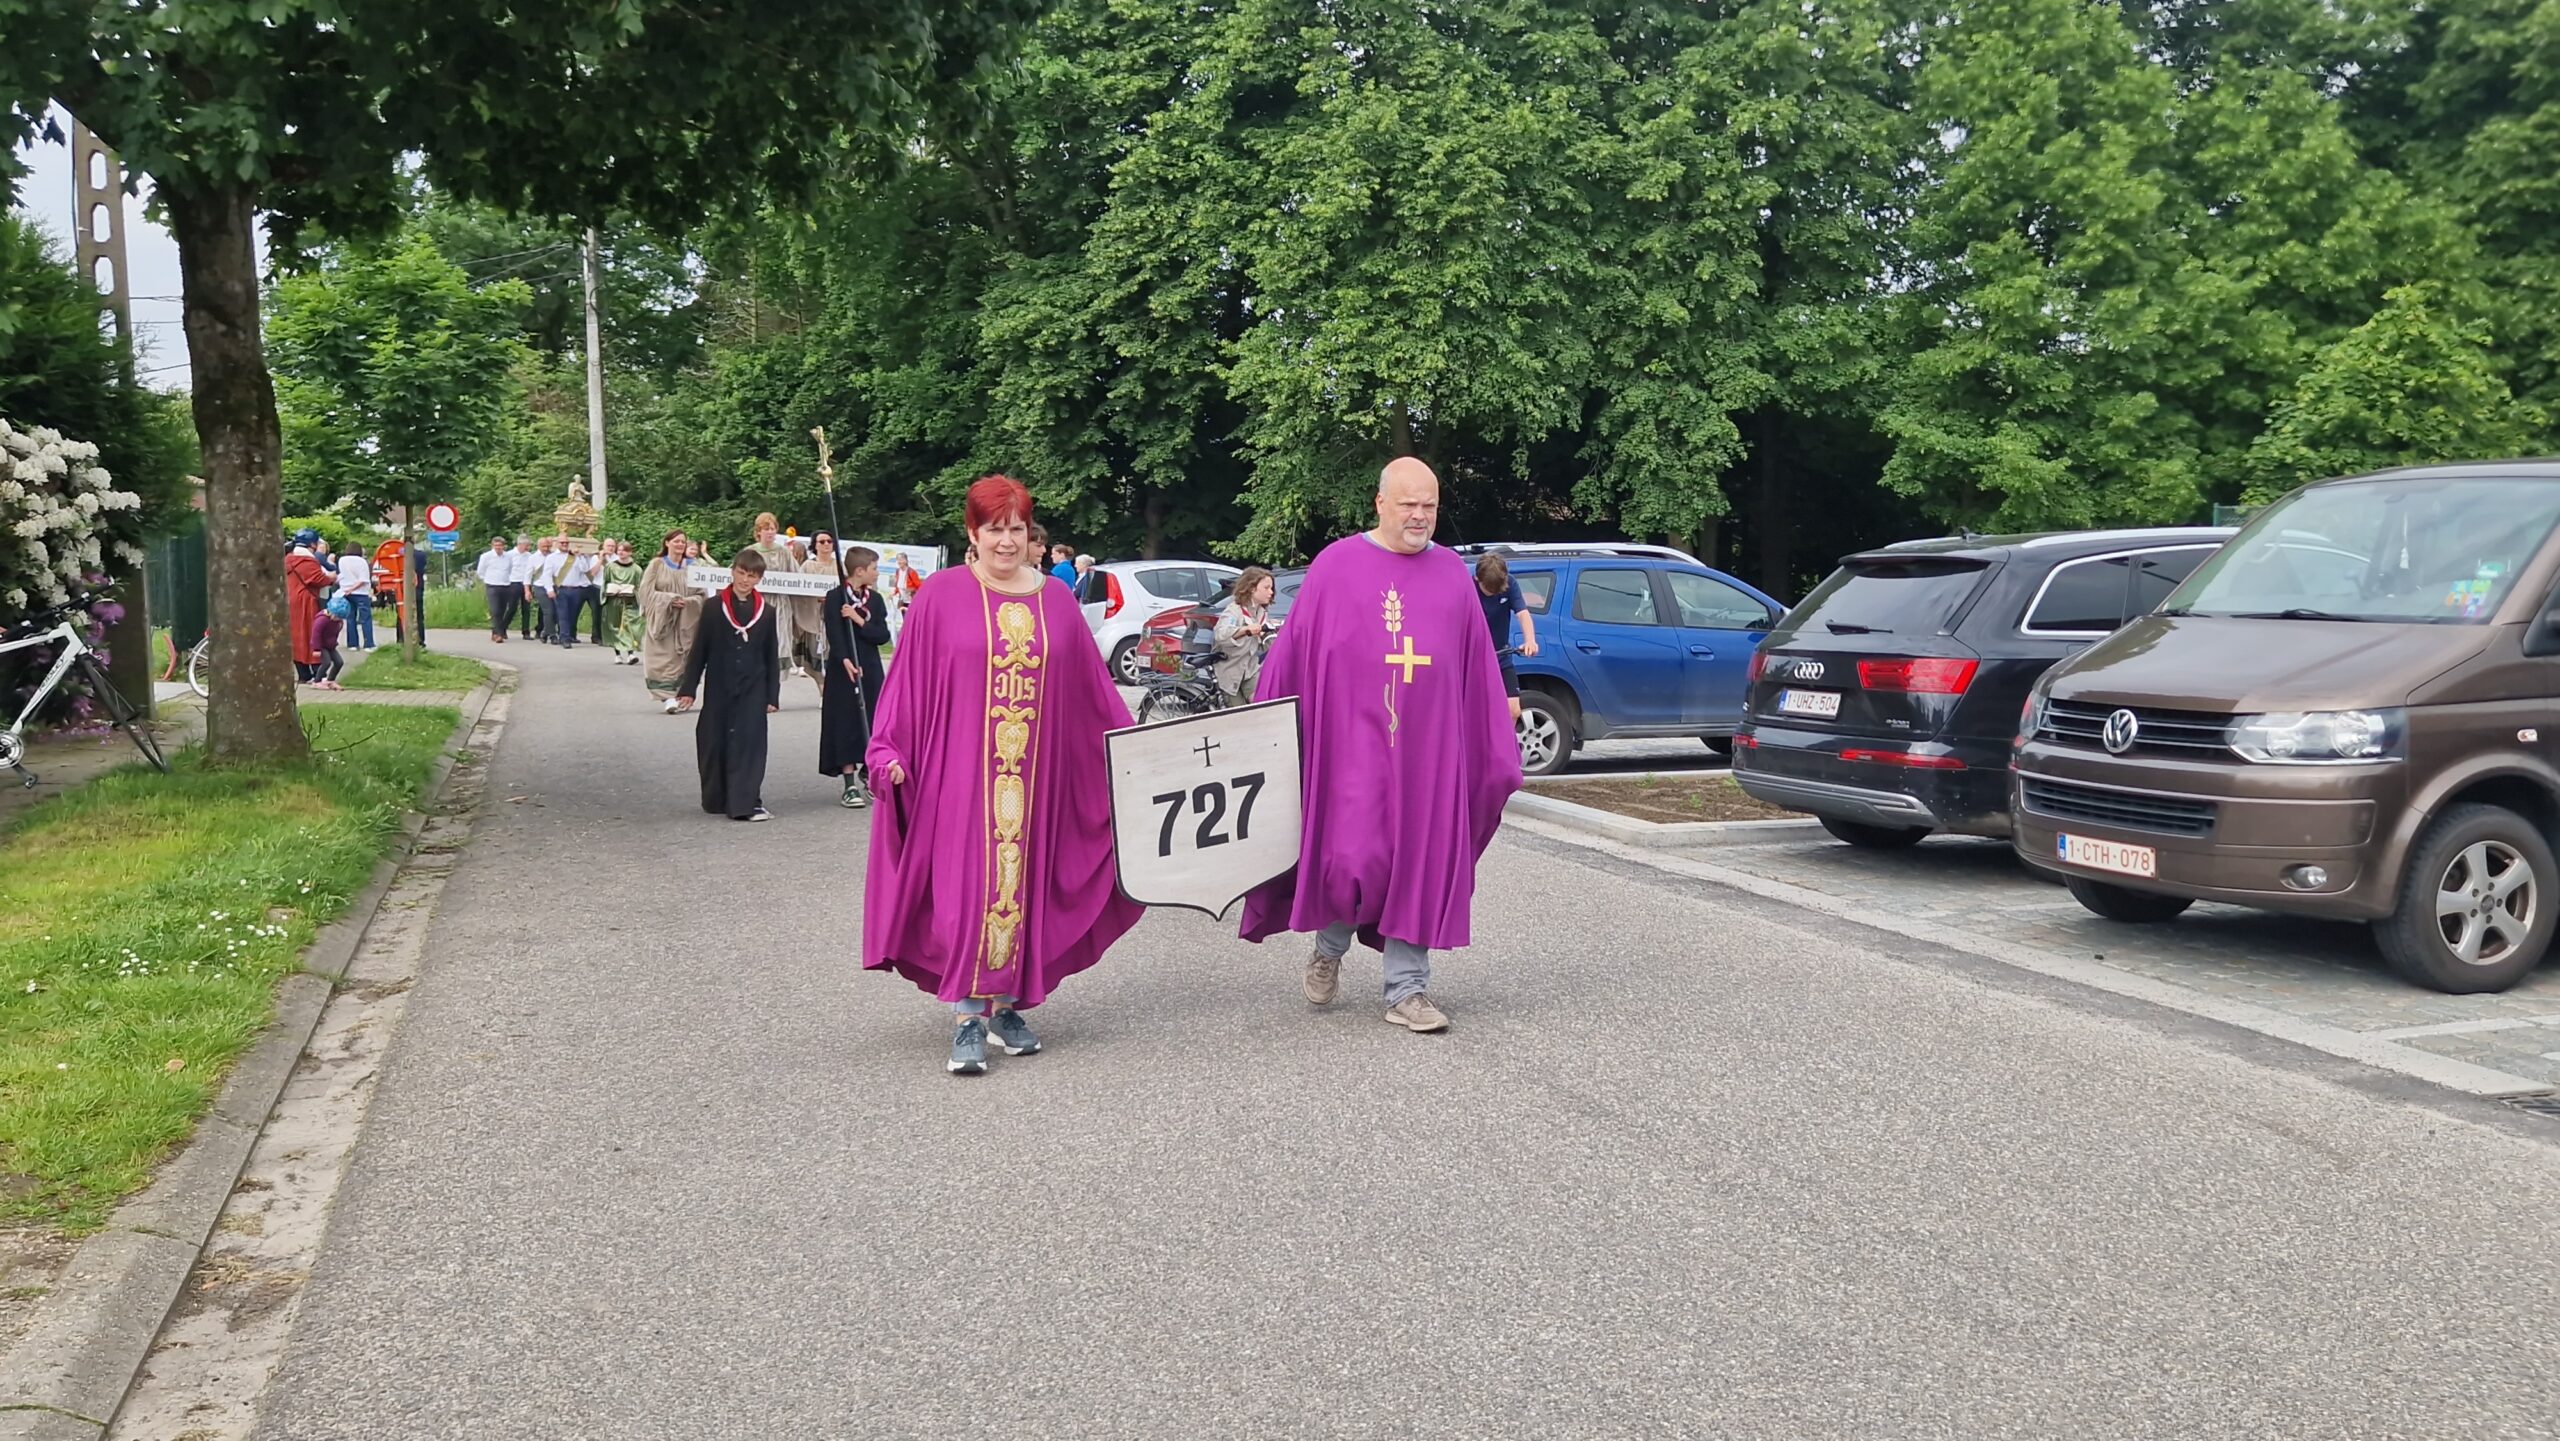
pixel 1633 641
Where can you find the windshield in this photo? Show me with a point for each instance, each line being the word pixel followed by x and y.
pixel 1878 597
pixel 2438 552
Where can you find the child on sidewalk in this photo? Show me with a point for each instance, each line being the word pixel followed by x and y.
pixel 326 627
pixel 736 668
pixel 857 621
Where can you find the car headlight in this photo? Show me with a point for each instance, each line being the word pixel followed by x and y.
pixel 2319 737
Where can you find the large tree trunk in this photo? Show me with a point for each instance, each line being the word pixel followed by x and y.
pixel 251 715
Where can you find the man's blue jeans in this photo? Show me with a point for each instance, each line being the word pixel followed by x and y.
pixel 360 621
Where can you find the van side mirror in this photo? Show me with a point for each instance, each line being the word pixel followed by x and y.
pixel 2544 638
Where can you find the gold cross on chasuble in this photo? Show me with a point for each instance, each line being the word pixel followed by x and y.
pixel 1407 659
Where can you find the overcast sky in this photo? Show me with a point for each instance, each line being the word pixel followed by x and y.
pixel 47 194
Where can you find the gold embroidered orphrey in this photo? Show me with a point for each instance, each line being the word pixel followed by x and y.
pixel 1392 612
pixel 1013 693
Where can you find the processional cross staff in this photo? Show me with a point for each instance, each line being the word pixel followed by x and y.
pixel 827 478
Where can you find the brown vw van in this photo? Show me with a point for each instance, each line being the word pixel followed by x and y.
pixel 2352 711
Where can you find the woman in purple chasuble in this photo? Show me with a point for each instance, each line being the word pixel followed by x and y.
pixel 991 875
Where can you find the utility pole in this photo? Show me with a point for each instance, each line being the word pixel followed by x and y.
pixel 595 380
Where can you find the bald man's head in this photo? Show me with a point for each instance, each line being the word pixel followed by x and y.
pixel 1408 505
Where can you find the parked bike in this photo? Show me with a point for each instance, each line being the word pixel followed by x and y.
pixel 52 626
pixel 1192 690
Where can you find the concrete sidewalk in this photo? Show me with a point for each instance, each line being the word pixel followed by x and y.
pixel 652 1159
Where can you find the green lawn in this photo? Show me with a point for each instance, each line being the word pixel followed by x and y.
pixel 451 609
pixel 144 922
pixel 385 670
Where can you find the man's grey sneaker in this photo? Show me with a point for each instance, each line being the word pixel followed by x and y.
pixel 969 1048
pixel 855 797
pixel 1014 1033
pixel 1324 978
pixel 1416 1013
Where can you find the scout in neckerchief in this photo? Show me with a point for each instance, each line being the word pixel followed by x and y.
pixel 736 668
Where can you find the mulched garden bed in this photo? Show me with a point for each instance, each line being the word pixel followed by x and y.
pixel 1668 799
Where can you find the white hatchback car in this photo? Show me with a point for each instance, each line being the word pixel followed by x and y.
pixel 1120 598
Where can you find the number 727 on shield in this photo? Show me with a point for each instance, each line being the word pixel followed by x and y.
pixel 1205 808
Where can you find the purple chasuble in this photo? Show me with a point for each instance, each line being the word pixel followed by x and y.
pixel 991 870
pixel 1405 741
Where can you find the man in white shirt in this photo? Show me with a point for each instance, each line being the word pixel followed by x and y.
pixel 520 581
pixel 580 575
pixel 544 583
pixel 355 582
pixel 495 568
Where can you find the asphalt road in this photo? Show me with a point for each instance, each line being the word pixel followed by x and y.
pixel 654 1159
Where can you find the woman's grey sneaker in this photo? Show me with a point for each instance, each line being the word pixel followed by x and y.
pixel 1416 1013
pixel 1324 978
pixel 969 1048
pixel 1014 1034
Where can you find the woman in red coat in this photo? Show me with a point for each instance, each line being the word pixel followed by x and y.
pixel 306 580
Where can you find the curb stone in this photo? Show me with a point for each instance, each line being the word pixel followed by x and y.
pixel 1594 821
pixel 68 1375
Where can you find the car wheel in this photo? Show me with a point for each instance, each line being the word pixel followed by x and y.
pixel 1124 662
pixel 2475 905
pixel 2129 907
pixel 1874 838
pixel 1545 733
pixel 1721 745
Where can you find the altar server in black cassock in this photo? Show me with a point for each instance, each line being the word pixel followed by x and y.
pixel 844 726
pixel 736 670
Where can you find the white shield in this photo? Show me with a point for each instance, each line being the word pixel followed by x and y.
pixel 1206 808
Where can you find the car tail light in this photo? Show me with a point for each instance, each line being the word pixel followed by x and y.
pixel 1169 621
pixel 1930 676
pixel 1904 759
pixel 1759 664
pixel 1111 594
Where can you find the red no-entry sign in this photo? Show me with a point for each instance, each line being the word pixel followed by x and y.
pixel 441 516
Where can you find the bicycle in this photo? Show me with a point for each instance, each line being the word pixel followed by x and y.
pixel 200 668
pixel 52 626
pixel 1189 692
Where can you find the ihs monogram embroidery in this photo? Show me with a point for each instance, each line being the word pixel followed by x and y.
pixel 1013 693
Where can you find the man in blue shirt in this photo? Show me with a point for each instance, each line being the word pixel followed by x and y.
pixel 1062 564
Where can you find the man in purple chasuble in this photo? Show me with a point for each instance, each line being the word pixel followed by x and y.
pixel 991 876
pixel 1406 748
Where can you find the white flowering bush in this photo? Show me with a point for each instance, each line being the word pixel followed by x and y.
pixel 61 521
pixel 59 514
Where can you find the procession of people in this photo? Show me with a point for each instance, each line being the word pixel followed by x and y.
pixel 968 712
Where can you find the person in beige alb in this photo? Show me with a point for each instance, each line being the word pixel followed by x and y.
pixel 670 609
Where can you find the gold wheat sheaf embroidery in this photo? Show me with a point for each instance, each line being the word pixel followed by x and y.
pixel 1014 689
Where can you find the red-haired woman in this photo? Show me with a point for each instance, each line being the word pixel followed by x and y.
pixel 989 882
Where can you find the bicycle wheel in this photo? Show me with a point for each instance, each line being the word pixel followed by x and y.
pixel 200 669
pixel 121 712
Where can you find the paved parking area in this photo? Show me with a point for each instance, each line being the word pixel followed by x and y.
pixel 2324 973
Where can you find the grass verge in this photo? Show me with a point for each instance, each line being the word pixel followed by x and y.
pixel 385 670
pixel 144 922
pixel 451 609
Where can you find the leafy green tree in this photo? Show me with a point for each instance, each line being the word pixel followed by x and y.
pixel 306 112
pixel 2120 265
pixel 2409 386
pixel 393 375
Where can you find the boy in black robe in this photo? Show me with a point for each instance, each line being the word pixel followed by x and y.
pixel 857 627
pixel 736 667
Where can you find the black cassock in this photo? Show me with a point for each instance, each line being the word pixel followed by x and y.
pixel 735 671
pixel 844 727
